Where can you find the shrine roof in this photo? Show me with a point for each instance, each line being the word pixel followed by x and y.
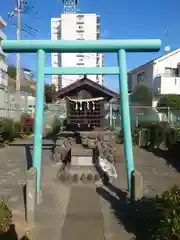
pixel 87 84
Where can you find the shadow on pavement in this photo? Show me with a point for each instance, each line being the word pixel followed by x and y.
pixel 12 234
pixel 29 149
pixel 138 217
pixel 171 157
pixel 28 157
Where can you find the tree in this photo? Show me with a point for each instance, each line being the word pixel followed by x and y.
pixel 50 93
pixel 11 71
pixel 142 95
pixel 171 101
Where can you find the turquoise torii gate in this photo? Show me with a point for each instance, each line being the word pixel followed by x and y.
pixel 66 46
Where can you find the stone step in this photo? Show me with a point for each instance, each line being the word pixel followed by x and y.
pixel 79 150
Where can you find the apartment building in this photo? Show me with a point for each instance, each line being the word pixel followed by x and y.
pixel 3 65
pixel 73 26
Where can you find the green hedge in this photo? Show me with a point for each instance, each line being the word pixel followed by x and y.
pixel 158 218
pixel 135 136
pixel 5 217
pixel 168 207
pixel 157 133
pixel 10 129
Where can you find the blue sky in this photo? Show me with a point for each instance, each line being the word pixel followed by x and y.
pixel 120 19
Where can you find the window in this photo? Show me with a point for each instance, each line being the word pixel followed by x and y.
pixel 80 27
pixel 171 72
pixel 80 17
pixel 80 55
pixel 80 35
pixel 80 64
pixel 141 78
pixel 129 81
pixel 79 31
pixel 98 35
pixel 80 23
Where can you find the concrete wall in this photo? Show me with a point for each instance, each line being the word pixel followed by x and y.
pixel 7 103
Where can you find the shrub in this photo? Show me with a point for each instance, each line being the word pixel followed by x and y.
pixel 157 218
pixel 135 136
pixel 160 132
pixel 10 129
pixel 27 123
pixel 17 129
pixel 157 133
pixel 5 217
pixel 169 101
pixel 56 125
pixel 7 129
pixel 168 206
pixel 134 133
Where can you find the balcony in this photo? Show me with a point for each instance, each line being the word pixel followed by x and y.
pixel 165 84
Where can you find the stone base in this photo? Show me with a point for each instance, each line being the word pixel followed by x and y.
pixel 79 174
pixel 81 161
pixel 81 156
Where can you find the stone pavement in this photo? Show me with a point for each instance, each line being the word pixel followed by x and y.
pixel 74 211
pixel 84 219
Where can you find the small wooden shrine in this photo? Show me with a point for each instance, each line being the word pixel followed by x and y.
pixel 85 102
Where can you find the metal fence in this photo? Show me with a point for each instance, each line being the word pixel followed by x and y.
pixel 55 111
pixel 142 114
pixel 8 103
pixel 112 116
pixel 10 113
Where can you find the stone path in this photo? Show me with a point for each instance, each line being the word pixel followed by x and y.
pixel 84 218
pixel 12 180
pixel 69 211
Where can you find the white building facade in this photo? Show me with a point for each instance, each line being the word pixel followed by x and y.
pixel 162 75
pixel 73 26
pixel 3 65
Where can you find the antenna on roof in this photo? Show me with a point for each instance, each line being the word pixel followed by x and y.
pixel 167 47
pixel 70 5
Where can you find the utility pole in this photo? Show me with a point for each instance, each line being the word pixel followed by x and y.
pixel 18 63
pixel 21 6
